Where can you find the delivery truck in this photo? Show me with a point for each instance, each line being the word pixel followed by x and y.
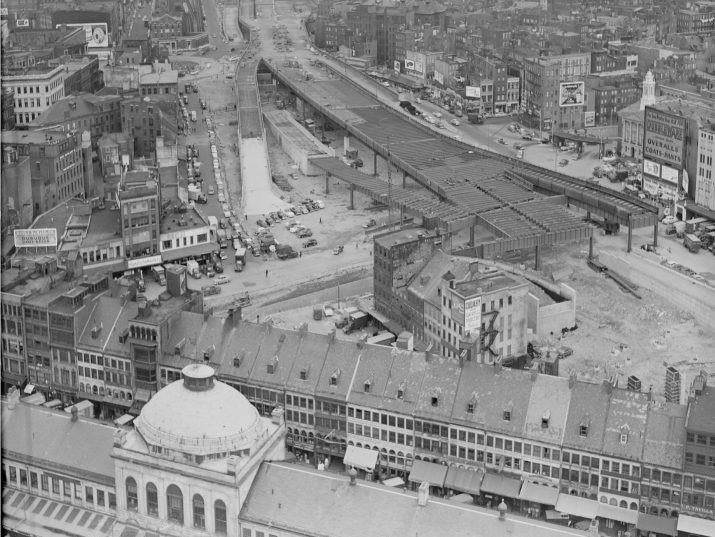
pixel 240 259
pixel 473 117
pixel 213 222
pixel 692 243
pixel 222 238
pixel 159 274
pixel 193 115
pixel 692 225
pixel 356 321
pixel 192 267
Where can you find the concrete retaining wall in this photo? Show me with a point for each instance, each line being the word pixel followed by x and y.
pixel 299 155
pixel 694 297
pixel 544 320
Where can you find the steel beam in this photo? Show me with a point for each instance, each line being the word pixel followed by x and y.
pixel 352 197
pixel 590 247
pixel 655 234
pixel 630 237
pixel 537 261
pixel 374 162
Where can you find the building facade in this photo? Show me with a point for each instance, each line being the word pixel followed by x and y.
pixel 35 91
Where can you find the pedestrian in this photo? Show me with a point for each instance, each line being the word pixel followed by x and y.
pixel 356 245
pixel 300 254
pixel 266 273
pixel 321 219
pixel 246 216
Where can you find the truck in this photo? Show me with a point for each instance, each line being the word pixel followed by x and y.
pixel 618 176
pixel 193 115
pixel 692 243
pixel 357 320
pixel 285 251
pixel 692 225
pixel 213 222
pixel 211 290
pixel 192 267
pixel 240 259
pixel 474 117
pixel 194 192
pixel 159 274
pixel 407 105
pixel 222 238
pixel 675 228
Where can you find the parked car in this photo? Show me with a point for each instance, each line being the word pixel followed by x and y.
pixel 455 122
pixel 520 153
pixel 564 351
pixel 437 114
pixel 304 233
pixel 502 141
pixel 670 219
pixel 518 146
pixel 210 190
pixel 309 243
pixel 222 279
pixel 564 162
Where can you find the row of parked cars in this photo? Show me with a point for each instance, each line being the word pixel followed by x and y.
pixel 305 207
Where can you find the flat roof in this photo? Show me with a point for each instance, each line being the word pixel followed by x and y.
pixel 490 283
pixel 103 227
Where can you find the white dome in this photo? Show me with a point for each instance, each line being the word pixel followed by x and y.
pixel 199 415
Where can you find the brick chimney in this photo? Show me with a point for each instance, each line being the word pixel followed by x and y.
pixel 534 372
pixel 423 494
pixel 497 365
pixel 303 329
pixel 331 336
pixel 235 315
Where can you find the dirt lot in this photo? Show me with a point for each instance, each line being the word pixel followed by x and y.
pixel 617 331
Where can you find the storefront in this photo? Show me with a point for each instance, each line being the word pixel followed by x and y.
pixel 656 526
pixel 429 472
pixel 11 379
pixel 496 487
pixel 616 520
pixel 537 498
pixel 96 400
pixel 579 509
pixel 363 460
pixel 463 484
pixel 198 252
pixel 690 526
pixel 114 407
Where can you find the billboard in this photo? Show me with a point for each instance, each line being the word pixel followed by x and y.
pixel 473 315
pixel 664 137
pixel 458 309
pixel 419 67
pixel 4 12
pixel 651 168
pixel 589 119
pixel 571 93
pixel 410 64
pixel 397 67
pixel 35 237
pixel 669 174
pixel 96 33
pixel 438 77
pixel 22 23
pixel 473 92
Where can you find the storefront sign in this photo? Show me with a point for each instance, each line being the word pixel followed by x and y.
pixel 35 237
pixel 473 92
pixel 410 64
pixel 664 137
pixel 22 23
pixel 473 315
pixel 143 262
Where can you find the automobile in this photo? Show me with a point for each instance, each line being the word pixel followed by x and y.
pixel 610 158
pixel 303 210
pixel 564 351
pixel 564 162
pixel 670 219
pixel 210 272
pixel 455 122
pixel 211 290
pixel 341 323
pixel 178 53
pixel 500 114
pixel 518 146
pixel 261 223
pixel 370 223
pixel 309 243
pixel 223 255
pixel 566 148
pixel 232 49
pixel 437 114
pixel 526 136
pixel 202 199
pixel 440 125
pixel 430 120
pixel 210 190
pixel 218 267
pixel 520 154
pixel 290 214
pixel 576 156
pixel 512 128
pixel 418 100
pixel 223 223
pixel 196 90
pixel 458 113
pixel 502 141
pixel 222 279
pixel 357 163
pixel 304 233
pixel 291 223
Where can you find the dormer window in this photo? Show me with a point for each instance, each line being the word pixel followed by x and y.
pixel 435 400
pixel 303 374
pixel 583 430
pixel 236 362
pixel 366 386
pixel 400 394
pixel 334 380
pixel 545 419
pixel 624 438
pixel 269 369
pixel 470 408
pixel 507 411
pixel 507 415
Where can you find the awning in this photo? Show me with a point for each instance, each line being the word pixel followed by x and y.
pixel 462 498
pixel 629 516
pixel 699 526
pixel 196 249
pixel 577 506
pixel 393 482
pixel 464 480
pixel 116 401
pixel 34 399
pixel 123 420
pixel 12 378
pixel 657 524
pixel 143 395
pixel 362 458
pixel 534 492
pixel 91 396
pixel 501 486
pixel 428 472
pixel 28 389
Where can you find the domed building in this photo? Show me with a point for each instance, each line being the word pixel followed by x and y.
pixel 192 456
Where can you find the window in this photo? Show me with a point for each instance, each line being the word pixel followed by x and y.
pixel 88 494
pixel 132 498
pixel 583 429
pixel 175 504
pixel 199 517
pixel 152 500
pixel 220 517
pixel 100 498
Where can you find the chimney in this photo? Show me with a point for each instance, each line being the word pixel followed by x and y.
pixel 353 474
pixel 573 377
pixel 120 437
pixel 13 397
pixel 96 330
pixel 331 336
pixel 607 386
pixel 502 510
pixel 428 353
pixel 277 415
pixel 361 341
pixel 75 413
pixel 303 329
pixel 233 464
pixel 281 340
pixel 463 357
pixel 423 494
pixel 534 372
pixel 235 315
pixel 497 365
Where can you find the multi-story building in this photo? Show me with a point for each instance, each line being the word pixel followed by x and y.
pixel 84 112
pixel 8 109
pixel 35 91
pixel 16 189
pixel 705 185
pixel 140 208
pixel 13 341
pixel 331 35
pixel 56 165
pixel 699 452
pixel 148 117
pixel 82 74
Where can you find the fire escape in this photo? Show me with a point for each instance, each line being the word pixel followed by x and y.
pixel 490 332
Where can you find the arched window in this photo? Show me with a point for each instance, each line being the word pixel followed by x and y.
pixel 121 394
pixel 623 504
pixel 101 390
pixel 129 396
pixel 175 504
pixel 152 500
pixel 132 498
pixel 613 502
pixel 81 386
pixel 199 516
pixel 220 517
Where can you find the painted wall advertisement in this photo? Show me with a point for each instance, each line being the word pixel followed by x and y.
pixel 651 168
pixel 410 64
pixel 473 92
pixel 35 237
pixel 473 315
pixel 589 119
pixel 96 33
pixel 438 77
pixel 571 93
pixel 419 67
pixel 664 137
pixel 397 67
pixel 669 174
pixel 22 23
pixel 143 261
pixel 458 309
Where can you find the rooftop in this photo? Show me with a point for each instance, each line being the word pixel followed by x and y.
pixel 589 407
pixel 436 399
pixel 307 363
pixel 425 284
pixel 372 376
pixel 163 77
pixel 490 283
pixel 547 409
pixel 702 411
pixel 401 236
pixel 406 375
pixel 104 225
pixel 103 315
pixel 338 370
pixel 627 415
pixel 282 494
pixel 665 436
pixel 45 137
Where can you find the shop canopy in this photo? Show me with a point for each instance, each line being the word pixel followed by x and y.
pixel 501 486
pixel 464 480
pixel 126 419
pixel 577 506
pixel 393 481
pixel 428 472
pixel 629 516
pixel 364 459
pixel 462 498
pixel 29 388
pixel 189 251
pixel 699 526
pixel 535 492
pixel 657 524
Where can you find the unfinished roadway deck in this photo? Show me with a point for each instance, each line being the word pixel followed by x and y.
pixel 521 204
